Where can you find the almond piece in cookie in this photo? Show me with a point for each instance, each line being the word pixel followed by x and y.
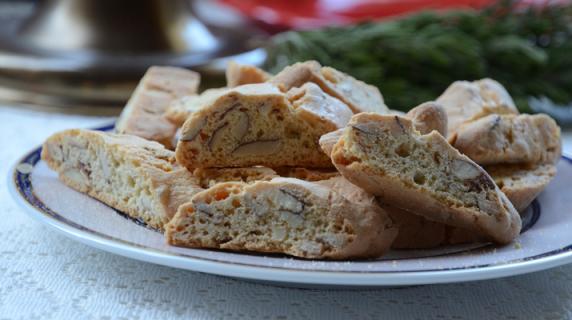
pixel 259 125
pixel 358 95
pixel 522 183
pixel 239 74
pixel 284 215
pixel 500 139
pixel 466 101
pixel 423 174
pixel 128 173
pixel 144 114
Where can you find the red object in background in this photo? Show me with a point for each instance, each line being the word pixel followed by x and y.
pixel 279 15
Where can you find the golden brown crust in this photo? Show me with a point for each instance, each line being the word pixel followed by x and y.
pixel 358 95
pixel 522 183
pixel 429 116
pixel 426 117
pixel 180 109
pixel 130 174
pixel 144 116
pixel 284 215
pixel 239 74
pixel 499 139
pixel 422 173
pixel 259 125
pixel 468 101
pixel 415 232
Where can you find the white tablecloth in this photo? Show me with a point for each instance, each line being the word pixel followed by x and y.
pixel 46 276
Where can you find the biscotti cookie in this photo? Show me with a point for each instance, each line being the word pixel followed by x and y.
pixel 415 232
pixel 468 101
pixel 358 95
pixel 426 117
pixel 128 173
pixel 429 116
pixel 239 74
pixel 259 125
pixel 208 177
pixel 522 183
pixel 180 109
pixel 143 115
pixel 497 139
pixel 423 174
pixel 284 215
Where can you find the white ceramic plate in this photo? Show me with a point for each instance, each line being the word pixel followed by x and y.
pixel 546 240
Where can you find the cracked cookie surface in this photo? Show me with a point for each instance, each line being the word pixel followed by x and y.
pixel 503 139
pixel 423 174
pixel 144 114
pixel 466 101
pixel 415 232
pixel 259 125
pixel 284 215
pixel 358 95
pixel 128 173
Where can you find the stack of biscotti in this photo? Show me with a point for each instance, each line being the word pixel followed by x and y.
pixel 253 159
pixel 311 163
pixel 519 151
pixel 165 96
pixel 237 134
pixel 415 231
pixel 389 156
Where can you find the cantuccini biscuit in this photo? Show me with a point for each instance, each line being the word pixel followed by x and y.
pixel 128 173
pixel 284 215
pixel 423 174
pixel 144 114
pixel 259 125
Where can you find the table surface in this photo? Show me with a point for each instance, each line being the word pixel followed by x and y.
pixel 44 275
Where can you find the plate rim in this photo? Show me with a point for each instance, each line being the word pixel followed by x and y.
pixel 281 275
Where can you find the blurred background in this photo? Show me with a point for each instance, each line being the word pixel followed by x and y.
pixel 87 55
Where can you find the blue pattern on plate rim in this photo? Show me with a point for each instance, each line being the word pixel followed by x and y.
pixel 24 187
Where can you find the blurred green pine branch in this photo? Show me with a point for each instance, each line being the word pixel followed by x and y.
pixel 415 58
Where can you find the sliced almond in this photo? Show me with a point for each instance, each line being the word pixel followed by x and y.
pixel 78 178
pixel 218 136
pixel 240 126
pixel 465 170
pixel 191 132
pixel 234 130
pixel 289 201
pixel 293 220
